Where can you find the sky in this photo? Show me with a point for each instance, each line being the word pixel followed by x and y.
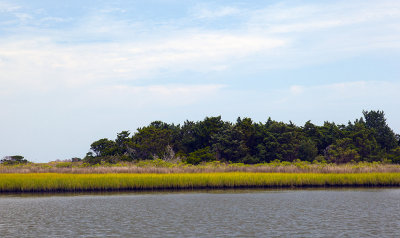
pixel 73 72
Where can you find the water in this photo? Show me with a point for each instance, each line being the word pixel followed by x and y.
pixel 245 213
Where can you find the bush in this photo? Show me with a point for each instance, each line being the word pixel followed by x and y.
pixel 76 159
pixel 201 155
pixel 12 160
pixel 342 151
pixel 394 156
pixel 248 159
pixel 92 160
pixel 319 159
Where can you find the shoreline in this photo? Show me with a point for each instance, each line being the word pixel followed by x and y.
pixel 64 183
pixel 204 190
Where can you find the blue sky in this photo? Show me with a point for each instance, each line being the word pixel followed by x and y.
pixel 73 72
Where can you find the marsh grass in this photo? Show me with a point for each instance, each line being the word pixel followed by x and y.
pixel 54 182
pixel 163 167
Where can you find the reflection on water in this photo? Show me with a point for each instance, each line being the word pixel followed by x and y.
pixel 243 213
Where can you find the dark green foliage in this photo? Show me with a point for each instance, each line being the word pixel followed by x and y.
pixel 122 143
pixel 248 133
pixel 384 135
pixel 206 129
pixel 248 159
pixel 267 149
pixel 330 132
pixel 365 139
pixel 152 141
pixel 343 151
pixel 91 158
pixel 307 150
pixel 104 147
pixel 94 160
pixel 75 159
pixel 188 140
pixel 200 155
pixel 228 144
pixel 394 155
pixel 279 141
pixel 15 159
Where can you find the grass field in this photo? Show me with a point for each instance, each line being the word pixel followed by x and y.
pixel 54 182
pixel 160 166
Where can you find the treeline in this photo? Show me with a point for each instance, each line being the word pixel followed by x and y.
pixel 366 139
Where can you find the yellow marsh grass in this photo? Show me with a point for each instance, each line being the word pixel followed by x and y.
pixel 50 182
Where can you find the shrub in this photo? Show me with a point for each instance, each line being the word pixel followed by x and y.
pixel 12 160
pixel 394 156
pixel 201 155
pixel 248 159
pixel 76 159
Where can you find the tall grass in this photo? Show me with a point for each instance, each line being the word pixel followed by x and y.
pixel 159 166
pixel 53 182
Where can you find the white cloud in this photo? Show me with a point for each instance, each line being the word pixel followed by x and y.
pixel 291 18
pixel 47 65
pixel 208 13
pixel 154 96
pixel 8 7
pixel 278 36
pixel 327 32
pixel 113 10
pixel 23 17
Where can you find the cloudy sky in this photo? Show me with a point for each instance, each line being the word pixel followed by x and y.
pixel 72 72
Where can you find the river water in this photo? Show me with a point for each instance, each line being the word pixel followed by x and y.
pixel 242 213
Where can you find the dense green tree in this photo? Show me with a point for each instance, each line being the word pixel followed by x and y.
pixel 307 150
pixel 92 159
pixel 229 144
pixel 288 137
pixel 268 149
pixel 279 141
pixel 151 142
pixel 385 136
pixel 104 147
pixel 122 143
pixel 330 132
pixel 366 139
pixel 394 155
pixel 342 151
pixel 204 130
pixel 187 135
pixel 314 133
pixel 200 155
pixel 247 129
pixel 14 159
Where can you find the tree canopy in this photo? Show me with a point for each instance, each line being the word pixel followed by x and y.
pixel 15 159
pixel 366 139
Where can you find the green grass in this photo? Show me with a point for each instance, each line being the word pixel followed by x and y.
pixel 54 182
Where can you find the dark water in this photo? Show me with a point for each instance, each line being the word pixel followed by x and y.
pixel 276 213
